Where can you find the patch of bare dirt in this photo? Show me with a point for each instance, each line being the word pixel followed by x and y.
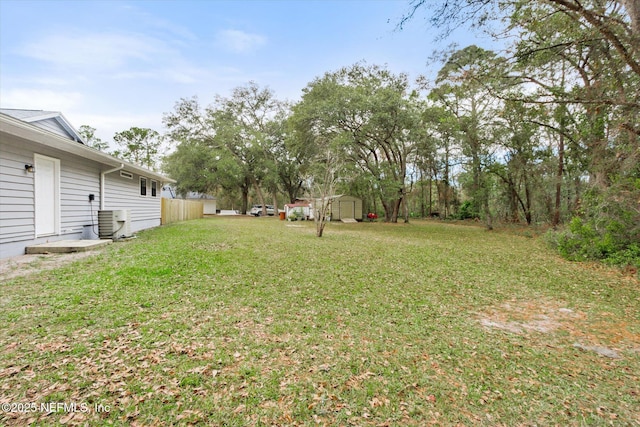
pixel 25 265
pixel 599 335
pixel 528 316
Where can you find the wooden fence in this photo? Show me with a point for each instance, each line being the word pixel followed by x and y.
pixel 175 210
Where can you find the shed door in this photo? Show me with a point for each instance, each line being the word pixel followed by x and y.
pixel 47 195
pixel 347 209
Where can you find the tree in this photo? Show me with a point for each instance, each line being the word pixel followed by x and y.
pixel 369 111
pixel 197 167
pixel 578 62
pixel 88 134
pixel 196 163
pixel 248 124
pixel 322 182
pixel 518 137
pixel 244 131
pixel 437 153
pixel 463 93
pixel 140 146
pixel 613 24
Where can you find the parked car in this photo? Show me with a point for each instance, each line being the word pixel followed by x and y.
pixel 256 210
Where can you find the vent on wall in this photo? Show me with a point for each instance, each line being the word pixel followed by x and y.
pixel 114 224
pixel 127 175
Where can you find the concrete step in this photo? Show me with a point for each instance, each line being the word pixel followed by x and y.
pixel 349 220
pixel 67 246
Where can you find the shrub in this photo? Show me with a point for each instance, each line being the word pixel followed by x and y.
pixel 607 228
pixel 626 257
pixel 468 210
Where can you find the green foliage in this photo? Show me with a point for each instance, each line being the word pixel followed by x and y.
pixel 608 228
pixel 234 145
pixel 468 210
pixel 520 135
pixel 141 146
pixel 369 115
pixel 629 256
pixel 296 215
pixel 88 133
pixel 580 242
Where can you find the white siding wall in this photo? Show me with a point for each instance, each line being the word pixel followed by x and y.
pixel 52 125
pixel 124 193
pixel 79 177
pixel 16 194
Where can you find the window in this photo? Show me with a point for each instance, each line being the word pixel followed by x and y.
pixel 127 175
pixel 154 188
pixel 143 186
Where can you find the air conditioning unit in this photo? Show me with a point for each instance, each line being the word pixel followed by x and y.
pixel 114 224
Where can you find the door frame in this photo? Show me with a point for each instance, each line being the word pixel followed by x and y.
pixel 346 203
pixel 56 196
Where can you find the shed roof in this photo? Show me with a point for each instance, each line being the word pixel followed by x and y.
pixel 298 204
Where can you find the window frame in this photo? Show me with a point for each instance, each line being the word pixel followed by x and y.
pixel 143 190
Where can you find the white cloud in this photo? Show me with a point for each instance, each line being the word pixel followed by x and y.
pixel 103 51
pixel 133 75
pixel 183 76
pixel 239 41
pixel 48 81
pixel 111 56
pixel 41 99
pixel 176 72
pixel 152 20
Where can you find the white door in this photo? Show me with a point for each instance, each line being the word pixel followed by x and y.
pixel 47 197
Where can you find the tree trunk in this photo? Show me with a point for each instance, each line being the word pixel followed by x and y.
pixel 245 199
pixel 396 210
pixel 527 195
pixel 388 210
pixel 256 186
pixel 446 183
pixel 487 213
pixel 430 194
pixel 597 147
pixel 559 173
pixel 320 216
pixel 405 209
pixel 513 201
pixel 633 9
pixel 274 195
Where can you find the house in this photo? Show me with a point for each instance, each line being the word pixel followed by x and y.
pixel 52 185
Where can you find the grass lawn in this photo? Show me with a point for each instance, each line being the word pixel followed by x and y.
pixel 254 321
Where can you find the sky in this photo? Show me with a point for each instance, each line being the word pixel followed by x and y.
pixel 115 64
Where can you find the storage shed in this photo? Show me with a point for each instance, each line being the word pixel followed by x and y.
pixel 302 209
pixel 344 207
pixel 208 202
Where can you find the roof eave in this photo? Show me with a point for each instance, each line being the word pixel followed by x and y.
pixel 29 132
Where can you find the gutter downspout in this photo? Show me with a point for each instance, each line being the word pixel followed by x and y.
pixel 102 180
